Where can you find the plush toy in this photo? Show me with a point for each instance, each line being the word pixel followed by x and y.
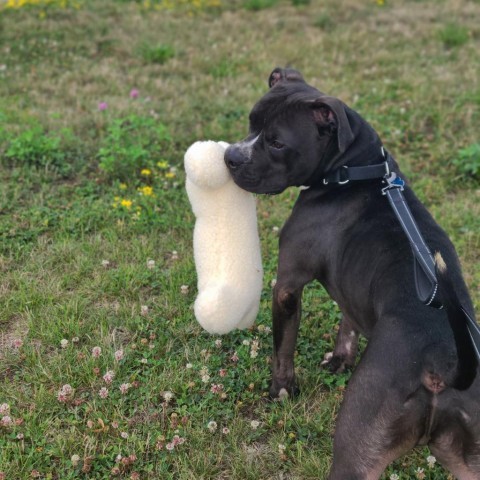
pixel 225 242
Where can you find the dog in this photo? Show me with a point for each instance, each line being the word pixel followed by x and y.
pixel 417 381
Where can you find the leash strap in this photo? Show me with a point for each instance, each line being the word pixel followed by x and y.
pixel 426 282
pixel 474 331
pixel 424 264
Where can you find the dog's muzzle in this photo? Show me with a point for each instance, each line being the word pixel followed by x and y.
pixel 234 157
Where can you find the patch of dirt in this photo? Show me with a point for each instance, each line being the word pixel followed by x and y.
pixel 15 330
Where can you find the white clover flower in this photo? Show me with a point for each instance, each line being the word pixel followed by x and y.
pixel 4 408
pixel 6 421
pixel 168 396
pixel 96 352
pixel 431 460
pixel 64 343
pixel 254 424
pixel 119 355
pixel 103 392
pixel 212 426
pixel 124 387
pixel 67 389
pixel 420 473
pixel 75 459
pixel 150 264
pixel 109 376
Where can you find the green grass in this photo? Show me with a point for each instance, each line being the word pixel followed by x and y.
pixel 89 195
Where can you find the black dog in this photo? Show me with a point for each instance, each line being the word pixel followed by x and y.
pixel 417 381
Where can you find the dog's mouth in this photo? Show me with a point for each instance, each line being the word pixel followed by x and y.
pixel 275 192
pixel 254 186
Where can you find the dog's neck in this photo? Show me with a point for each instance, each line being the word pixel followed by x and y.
pixel 365 150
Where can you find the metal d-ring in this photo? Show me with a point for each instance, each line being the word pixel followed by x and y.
pixel 344 181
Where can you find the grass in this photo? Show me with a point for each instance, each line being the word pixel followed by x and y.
pixel 98 103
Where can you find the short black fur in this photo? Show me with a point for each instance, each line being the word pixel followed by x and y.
pixel 417 381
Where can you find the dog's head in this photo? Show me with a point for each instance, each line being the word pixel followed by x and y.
pixel 297 133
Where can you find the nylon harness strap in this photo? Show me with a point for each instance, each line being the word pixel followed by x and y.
pixel 426 282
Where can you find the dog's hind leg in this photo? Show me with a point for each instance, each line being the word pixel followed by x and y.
pixel 346 347
pixel 456 443
pixel 383 415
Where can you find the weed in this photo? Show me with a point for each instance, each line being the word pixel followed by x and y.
pixel 256 5
pixel 34 147
pixel 132 144
pixel 468 161
pixel 156 53
pixel 324 22
pixel 454 35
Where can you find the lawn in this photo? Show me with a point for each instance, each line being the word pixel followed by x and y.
pixel 104 371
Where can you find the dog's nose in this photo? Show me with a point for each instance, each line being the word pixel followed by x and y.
pixel 234 157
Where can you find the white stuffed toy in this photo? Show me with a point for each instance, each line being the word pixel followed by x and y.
pixel 225 242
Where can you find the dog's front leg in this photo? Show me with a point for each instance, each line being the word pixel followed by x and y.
pixel 286 320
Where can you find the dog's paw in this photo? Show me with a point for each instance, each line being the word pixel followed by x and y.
pixel 280 394
pixel 334 363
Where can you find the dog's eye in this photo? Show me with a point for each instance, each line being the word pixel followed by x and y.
pixel 277 145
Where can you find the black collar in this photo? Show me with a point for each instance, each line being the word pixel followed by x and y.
pixel 345 174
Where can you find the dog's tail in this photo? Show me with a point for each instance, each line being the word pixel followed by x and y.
pixel 467 362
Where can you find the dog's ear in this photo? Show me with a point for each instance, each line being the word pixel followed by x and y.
pixel 329 114
pixel 284 75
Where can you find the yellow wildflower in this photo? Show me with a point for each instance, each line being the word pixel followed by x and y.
pixel 146 172
pixel 163 164
pixel 146 190
pixel 170 175
pixel 123 186
pixel 126 203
